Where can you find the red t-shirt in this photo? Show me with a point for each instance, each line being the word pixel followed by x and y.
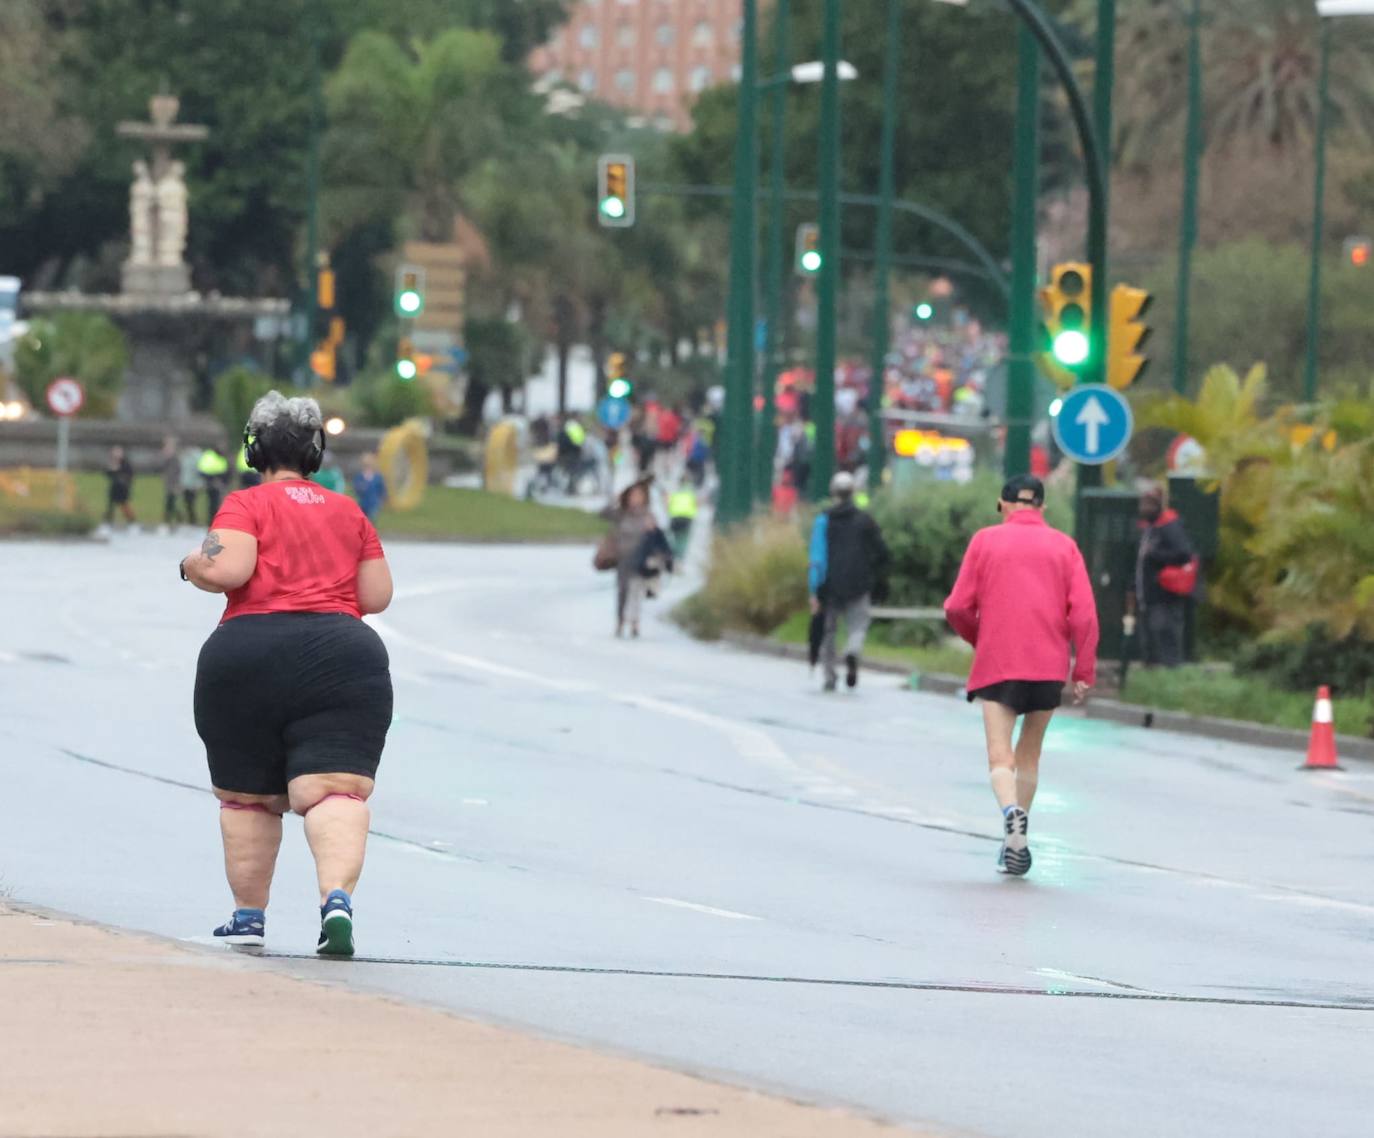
pixel 310 542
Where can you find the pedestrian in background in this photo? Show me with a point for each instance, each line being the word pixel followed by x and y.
pixel 682 512
pixel 1023 600
pixel 191 482
pixel 1165 577
pixel 120 473
pixel 369 487
pixel 213 469
pixel 170 463
pixel 293 692
pixel 848 563
pixel 631 523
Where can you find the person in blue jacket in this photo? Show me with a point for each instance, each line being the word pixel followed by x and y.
pixel 848 565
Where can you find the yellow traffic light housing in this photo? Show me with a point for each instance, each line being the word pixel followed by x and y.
pixel 1066 325
pixel 615 196
pixel 1127 335
pixel 808 251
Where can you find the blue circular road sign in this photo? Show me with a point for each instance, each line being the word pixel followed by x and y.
pixel 1094 424
pixel 613 413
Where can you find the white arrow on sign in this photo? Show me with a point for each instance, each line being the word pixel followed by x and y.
pixel 1092 419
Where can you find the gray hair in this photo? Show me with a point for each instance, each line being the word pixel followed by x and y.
pixel 299 416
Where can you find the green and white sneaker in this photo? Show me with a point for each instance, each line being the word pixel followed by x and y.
pixel 336 925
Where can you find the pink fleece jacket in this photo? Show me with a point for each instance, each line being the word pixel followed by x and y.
pixel 1022 598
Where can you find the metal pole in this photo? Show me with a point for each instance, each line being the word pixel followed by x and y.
pixel 767 429
pixel 882 317
pixel 1187 232
pixel 735 496
pixel 64 435
pixel 1103 83
pixel 312 223
pixel 1314 290
pixel 823 404
pixel 1021 367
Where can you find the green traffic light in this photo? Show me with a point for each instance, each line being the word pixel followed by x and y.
pixel 406 369
pixel 409 302
pixel 619 389
pixel 1071 348
pixel 613 207
pixel 811 261
pixel 924 311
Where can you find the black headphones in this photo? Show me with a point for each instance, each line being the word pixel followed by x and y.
pixel 253 456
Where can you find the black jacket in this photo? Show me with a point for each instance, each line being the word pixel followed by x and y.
pixel 856 555
pixel 1163 543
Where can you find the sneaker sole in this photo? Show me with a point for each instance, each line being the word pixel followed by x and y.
pixel 243 940
pixel 338 935
pixel 1018 862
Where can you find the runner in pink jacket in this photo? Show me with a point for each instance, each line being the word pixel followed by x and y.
pixel 1023 600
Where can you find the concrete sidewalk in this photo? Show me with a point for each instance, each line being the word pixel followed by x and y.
pixel 109 1034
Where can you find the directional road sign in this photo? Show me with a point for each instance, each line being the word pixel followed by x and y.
pixel 1093 425
pixel 613 413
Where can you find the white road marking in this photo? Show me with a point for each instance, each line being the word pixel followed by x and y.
pixel 8 658
pixel 1111 985
pixel 709 910
pixel 475 663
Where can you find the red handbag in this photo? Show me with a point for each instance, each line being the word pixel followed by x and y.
pixel 1181 580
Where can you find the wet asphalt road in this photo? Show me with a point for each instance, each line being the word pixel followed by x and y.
pixel 682 852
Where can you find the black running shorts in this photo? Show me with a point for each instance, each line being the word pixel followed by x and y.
pixel 1023 696
pixel 280 695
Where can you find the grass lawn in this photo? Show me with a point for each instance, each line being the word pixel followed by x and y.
pixel 1206 691
pixel 457 515
pixel 953 659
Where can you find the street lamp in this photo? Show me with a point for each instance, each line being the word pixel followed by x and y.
pixel 1327 10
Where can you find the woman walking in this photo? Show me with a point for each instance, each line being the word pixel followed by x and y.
pixel 293 690
pixel 631 523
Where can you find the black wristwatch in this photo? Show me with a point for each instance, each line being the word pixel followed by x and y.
pixel 181 568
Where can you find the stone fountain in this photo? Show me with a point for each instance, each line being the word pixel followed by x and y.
pixel 170 327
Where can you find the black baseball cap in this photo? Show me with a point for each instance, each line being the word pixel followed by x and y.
pixel 1025 490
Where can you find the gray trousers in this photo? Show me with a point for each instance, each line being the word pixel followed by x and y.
pixel 855 615
pixel 1161 626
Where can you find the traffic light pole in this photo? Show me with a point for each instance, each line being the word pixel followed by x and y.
pixel 735 501
pixel 1314 285
pixel 823 402
pixel 882 317
pixel 766 442
pixel 1021 367
pixel 1187 233
pixel 312 222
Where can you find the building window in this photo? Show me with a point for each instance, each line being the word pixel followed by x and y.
pixel 625 80
pixel 703 35
pixel 700 78
pixel 735 72
pixel 587 37
pixel 587 80
pixel 663 80
pixel 625 35
pixel 664 35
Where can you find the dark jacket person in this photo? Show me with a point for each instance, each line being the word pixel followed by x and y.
pixel 848 564
pixel 1161 611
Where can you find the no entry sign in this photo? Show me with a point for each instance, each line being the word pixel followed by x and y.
pixel 66 396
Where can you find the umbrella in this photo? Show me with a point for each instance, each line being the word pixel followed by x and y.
pixel 816 634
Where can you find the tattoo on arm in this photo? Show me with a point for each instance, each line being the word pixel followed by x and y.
pixel 211 546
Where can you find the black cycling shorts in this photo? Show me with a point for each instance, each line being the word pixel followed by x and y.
pixel 280 695
pixel 1023 696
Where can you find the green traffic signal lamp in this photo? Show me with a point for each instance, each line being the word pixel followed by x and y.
pixel 619 389
pixel 924 311
pixel 410 291
pixel 811 261
pixel 613 207
pixel 1072 347
pixel 406 369
pixel 409 302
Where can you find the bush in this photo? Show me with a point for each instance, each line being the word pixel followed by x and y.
pixel 928 528
pixel 388 400
pixel 87 346
pixel 1310 659
pixel 236 390
pixel 44 522
pixel 756 581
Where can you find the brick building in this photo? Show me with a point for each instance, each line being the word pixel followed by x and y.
pixel 650 56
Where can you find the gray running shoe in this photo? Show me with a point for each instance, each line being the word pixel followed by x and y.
pixel 1016 855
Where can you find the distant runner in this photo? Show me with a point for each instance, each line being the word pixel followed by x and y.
pixel 293 690
pixel 1022 598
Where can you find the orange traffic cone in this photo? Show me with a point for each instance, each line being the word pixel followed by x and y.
pixel 1321 747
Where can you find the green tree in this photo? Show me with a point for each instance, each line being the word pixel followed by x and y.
pixel 84 345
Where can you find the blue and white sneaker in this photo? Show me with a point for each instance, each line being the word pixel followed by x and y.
pixel 247 928
pixel 336 925
pixel 1016 855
